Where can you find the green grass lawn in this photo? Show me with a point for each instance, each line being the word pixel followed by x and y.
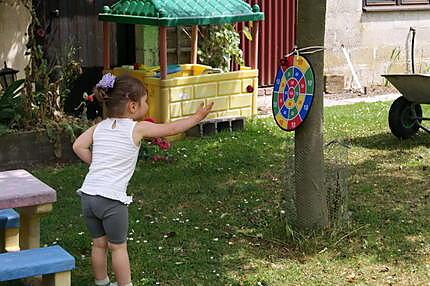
pixel 215 216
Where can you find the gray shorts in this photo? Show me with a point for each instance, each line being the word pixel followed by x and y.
pixel 104 216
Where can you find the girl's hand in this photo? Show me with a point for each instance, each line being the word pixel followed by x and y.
pixel 203 111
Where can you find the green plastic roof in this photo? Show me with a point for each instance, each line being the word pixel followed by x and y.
pixel 180 12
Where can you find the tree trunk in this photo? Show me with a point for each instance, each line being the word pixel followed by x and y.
pixel 311 196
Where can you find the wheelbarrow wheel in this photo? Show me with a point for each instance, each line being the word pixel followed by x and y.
pixel 402 118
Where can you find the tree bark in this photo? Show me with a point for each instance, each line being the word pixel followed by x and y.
pixel 311 196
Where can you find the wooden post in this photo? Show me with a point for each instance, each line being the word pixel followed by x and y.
pixel 254 46
pixel 106 45
pixel 58 279
pixel 194 42
pixel 11 238
pixel 162 41
pixel 30 225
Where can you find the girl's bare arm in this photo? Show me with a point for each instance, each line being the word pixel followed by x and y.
pixel 82 145
pixel 146 129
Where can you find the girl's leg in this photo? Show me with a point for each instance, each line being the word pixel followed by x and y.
pixel 99 257
pixel 120 263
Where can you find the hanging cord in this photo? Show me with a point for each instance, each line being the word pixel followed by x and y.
pixel 305 50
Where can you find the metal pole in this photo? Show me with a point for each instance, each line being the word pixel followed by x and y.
pixel 413 48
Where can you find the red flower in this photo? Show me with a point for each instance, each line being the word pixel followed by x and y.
pixel 41 32
pixel 161 142
pixel 90 98
pixel 164 145
pixel 156 158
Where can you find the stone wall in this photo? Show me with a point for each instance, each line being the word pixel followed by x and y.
pixel 372 40
pixel 14 20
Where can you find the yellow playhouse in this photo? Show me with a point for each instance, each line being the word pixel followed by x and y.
pixel 178 94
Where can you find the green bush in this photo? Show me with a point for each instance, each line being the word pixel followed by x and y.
pixel 219 45
pixel 10 104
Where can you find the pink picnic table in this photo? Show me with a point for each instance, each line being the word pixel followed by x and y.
pixel 33 198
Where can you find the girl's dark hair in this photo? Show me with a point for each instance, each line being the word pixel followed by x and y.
pixel 115 99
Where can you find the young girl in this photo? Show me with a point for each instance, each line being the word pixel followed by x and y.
pixel 111 149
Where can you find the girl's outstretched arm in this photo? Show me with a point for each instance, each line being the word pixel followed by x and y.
pixel 82 145
pixel 146 129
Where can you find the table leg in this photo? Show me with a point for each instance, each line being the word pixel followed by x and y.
pixel 30 225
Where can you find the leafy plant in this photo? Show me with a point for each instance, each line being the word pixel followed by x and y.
pixel 10 104
pixel 219 46
pixel 394 57
pixel 70 68
pixel 48 79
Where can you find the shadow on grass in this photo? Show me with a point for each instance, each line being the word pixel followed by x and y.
pixel 207 217
pixel 387 141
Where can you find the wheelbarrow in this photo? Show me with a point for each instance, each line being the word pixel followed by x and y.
pixel 406 115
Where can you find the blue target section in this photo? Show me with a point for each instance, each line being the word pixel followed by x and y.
pixel 278 78
pixel 306 105
pixel 286 94
pixel 298 74
pixel 284 111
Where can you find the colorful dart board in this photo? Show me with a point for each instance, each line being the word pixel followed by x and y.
pixel 293 92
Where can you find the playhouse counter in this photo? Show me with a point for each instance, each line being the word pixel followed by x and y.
pixel 233 93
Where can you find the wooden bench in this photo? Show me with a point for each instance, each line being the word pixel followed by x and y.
pixel 53 263
pixel 9 230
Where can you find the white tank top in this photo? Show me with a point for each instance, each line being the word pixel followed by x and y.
pixel 114 157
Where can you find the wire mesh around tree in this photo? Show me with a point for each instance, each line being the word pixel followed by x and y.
pixel 290 190
pixel 336 175
pixel 336 181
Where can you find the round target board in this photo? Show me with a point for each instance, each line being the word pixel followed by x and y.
pixel 293 92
